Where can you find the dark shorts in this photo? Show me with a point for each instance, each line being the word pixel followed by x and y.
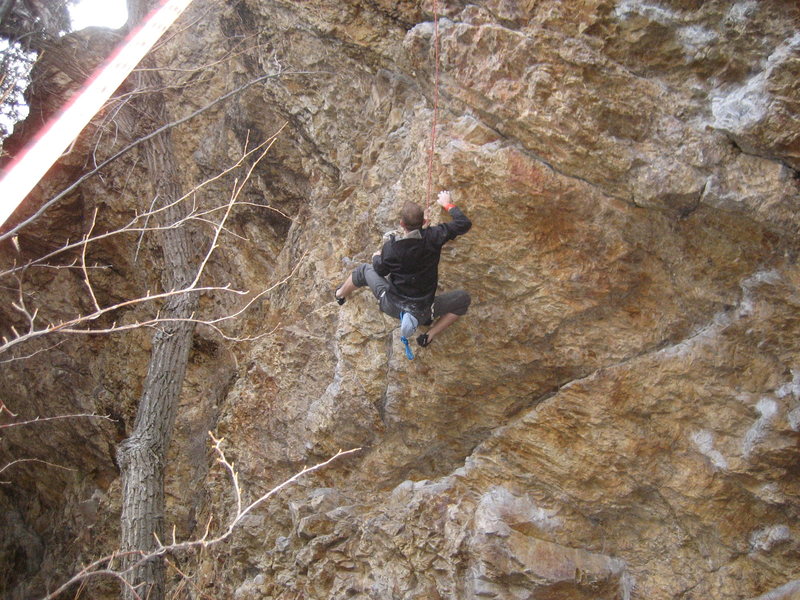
pixel 456 302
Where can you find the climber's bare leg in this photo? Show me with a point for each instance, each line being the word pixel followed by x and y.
pixel 441 324
pixel 347 288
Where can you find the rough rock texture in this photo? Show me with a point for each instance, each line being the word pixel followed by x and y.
pixel 617 417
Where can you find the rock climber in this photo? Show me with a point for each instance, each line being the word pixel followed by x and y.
pixel 404 273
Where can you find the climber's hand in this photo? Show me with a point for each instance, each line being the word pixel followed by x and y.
pixel 444 198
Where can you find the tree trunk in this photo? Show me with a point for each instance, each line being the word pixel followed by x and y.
pixel 142 456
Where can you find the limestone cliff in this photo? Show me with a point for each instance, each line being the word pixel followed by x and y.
pixel 617 416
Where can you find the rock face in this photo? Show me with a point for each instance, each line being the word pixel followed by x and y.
pixel 617 416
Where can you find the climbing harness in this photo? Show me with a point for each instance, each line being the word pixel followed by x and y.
pixel 435 103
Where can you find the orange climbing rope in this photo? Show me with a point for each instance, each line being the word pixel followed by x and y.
pixel 435 103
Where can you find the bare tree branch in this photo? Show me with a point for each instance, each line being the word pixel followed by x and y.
pixel 33 460
pixel 241 513
pixel 139 141
pixel 186 579
pixel 27 356
pixel 55 418
pixel 133 225
pixel 5 409
pixel 94 569
pixel 72 325
pixel 86 279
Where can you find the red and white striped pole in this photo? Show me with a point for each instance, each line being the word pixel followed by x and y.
pixel 30 165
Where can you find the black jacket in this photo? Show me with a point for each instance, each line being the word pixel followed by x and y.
pixel 411 263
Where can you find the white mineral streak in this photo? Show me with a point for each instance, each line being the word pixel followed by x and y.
pixel 788 591
pixel 499 510
pixel 738 108
pixel 741 11
pixel 767 408
pixel 764 539
pixel 704 440
pixel 626 9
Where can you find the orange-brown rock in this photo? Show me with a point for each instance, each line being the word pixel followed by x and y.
pixel 617 416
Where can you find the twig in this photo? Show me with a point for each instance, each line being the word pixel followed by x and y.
pixel 241 513
pixel 26 357
pixel 69 326
pixel 72 325
pixel 55 418
pixel 234 197
pixel 86 279
pixel 144 229
pixel 5 409
pixel 186 579
pixel 92 570
pixel 259 295
pixel 34 460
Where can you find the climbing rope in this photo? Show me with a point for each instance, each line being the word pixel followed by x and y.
pixel 435 104
pixel 404 339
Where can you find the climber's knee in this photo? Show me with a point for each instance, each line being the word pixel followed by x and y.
pixel 456 302
pixel 359 275
pixel 366 275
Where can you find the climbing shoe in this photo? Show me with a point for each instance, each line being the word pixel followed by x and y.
pixel 422 340
pixel 339 301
